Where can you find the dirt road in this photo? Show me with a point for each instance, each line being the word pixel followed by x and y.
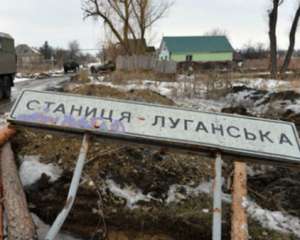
pixel 35 84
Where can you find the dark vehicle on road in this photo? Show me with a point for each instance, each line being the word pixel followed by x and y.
pixel 71 66
pixel 8 64
pixel 107 67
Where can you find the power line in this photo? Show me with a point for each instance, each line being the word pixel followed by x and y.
pixel 91 49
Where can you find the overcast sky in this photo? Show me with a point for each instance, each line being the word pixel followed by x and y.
pixel 61 21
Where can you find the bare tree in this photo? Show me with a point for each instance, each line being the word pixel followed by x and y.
pixel 292 42
pixel 102 9
pixel 127 19
pixel 254 51
pixel 74 49
pixel 273 16
pixel 148 12
pixel 216 32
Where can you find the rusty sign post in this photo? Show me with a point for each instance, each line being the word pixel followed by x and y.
pixel 239 226
pixel 183 129
pixel 60 219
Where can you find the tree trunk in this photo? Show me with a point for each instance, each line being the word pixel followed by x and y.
pixel 239 227
pixel 126 23
pixel 292 42
pixel 273 15
pixel 19 220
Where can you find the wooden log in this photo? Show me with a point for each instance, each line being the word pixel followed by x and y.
pixel 1 209
pixel 19 220
pixel 6 133
pixel 239 226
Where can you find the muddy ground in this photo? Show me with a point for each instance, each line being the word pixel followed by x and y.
pixel 100 214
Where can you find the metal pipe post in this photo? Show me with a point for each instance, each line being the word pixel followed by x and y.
pixel 60 219
pixel 217 211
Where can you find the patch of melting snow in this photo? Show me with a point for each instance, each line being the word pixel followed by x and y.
pixel 258 169
pixel 263 84
pixel 159 87
pixel 206 105
pixel 295 107
pixel 175 90
pixel 240 98
pixel 31 170
pixel 273 220
pixel 175 194
pixel 131 195
pixel 178 193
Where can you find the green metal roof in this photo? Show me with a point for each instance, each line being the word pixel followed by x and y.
pixel 199 44
pixel 5 35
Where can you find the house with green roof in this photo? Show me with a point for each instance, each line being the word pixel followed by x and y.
pixel 196 49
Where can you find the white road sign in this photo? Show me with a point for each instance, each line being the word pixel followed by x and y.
pixel 155 124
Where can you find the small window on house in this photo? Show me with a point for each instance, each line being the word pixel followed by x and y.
pixel 189 58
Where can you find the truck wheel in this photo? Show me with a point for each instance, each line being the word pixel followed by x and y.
pixel 1 92
pixel 7 92
pixel 93 69
pixel 7 87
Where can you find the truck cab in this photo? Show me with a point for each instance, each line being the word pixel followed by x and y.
pixel 8 64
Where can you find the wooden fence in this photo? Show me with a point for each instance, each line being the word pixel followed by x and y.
pixel 141 62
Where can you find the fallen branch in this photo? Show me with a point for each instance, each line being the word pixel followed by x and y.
pixel 19 220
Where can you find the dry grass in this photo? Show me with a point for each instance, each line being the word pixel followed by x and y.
pixel 295 84
pixel 122 77
pixel 110 92
pixel 212 84
pixel 83 75
pixel 189 86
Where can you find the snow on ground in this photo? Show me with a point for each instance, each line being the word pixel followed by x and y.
pixel 175 194
pixel 273 220
pixel 205 105
pixel 263 104
pixel 295 106
pixel 162 88
pixel 56 73
pixel 263 84
pixel 23 77
pixel 31 170
pixel 181 92
pixel 131 195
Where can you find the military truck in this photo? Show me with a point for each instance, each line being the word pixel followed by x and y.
pixel 8 64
